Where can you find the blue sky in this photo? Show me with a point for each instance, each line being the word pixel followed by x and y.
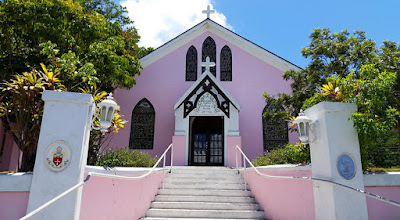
pixel 281 27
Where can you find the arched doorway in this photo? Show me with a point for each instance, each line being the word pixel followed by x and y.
pixel 207 141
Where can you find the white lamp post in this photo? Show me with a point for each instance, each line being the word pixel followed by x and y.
pixel 107 109
pixel 303 127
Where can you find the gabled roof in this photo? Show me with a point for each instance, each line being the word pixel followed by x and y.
pixel 226 34
pixel 215 84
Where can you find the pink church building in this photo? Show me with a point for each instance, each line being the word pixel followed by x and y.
pixel 204 109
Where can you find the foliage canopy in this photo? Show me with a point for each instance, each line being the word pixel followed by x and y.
pixel 69 37
pixel 21 108
pixel 349 68
pixel 82 43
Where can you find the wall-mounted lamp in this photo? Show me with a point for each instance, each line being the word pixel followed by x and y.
pixel 303 124
pixel 107 109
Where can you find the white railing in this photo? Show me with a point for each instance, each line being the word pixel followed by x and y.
pixel 305 178
pixel 163 156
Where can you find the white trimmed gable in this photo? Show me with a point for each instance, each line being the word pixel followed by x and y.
pixel 206 97
pixel 193 94
pixel 209 25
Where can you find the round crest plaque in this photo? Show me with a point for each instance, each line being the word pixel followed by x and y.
pixel 58 156
pixel 346 166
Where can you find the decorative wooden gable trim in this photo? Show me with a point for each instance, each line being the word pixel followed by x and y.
pixel 206 86
pixel 207 83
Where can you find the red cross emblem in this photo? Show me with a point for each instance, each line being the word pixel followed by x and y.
pixel 57 160
pixel 57 157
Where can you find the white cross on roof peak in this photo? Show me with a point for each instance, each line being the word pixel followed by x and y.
pixel 208 11
pixel 207 64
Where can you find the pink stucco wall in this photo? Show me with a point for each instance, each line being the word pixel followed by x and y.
pixel 13 205
pixel 179 150
pixel 11 153
pixel 10 156
pixel 105 198
pixel 163 83
pixel 380 210
pixel 231 147
pixel 283 199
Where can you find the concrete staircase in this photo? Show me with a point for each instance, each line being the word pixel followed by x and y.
pixel 203 193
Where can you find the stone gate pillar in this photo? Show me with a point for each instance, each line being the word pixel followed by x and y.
pixel 61 154
pixel 335 156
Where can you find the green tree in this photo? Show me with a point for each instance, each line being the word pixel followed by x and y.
pixel 330 53
pixel 95 32
pixel 338 54
pixel 340 64
pixel 375 118
pixel 83 43
pixel 21 109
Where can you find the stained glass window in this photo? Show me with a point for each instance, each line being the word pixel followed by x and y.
pixel 191 64
pixel 142 126
pixel 226 64
pixel 209 50
pixel 275 135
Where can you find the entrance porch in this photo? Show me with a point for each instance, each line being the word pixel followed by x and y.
pixel 206 125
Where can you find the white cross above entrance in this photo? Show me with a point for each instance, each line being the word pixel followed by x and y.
pixel 208 11
pixel 207 64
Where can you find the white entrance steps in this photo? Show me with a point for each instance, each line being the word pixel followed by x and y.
pixel 203 193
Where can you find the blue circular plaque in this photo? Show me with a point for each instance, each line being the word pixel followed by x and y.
pixel 346 166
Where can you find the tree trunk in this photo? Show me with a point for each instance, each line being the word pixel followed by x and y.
pixel 397 127
pixel 28 160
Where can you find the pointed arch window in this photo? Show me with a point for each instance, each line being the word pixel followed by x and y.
pixel 191 64
pixel 209 50
pixel 226 64
pixel 142 126
pixel 275 134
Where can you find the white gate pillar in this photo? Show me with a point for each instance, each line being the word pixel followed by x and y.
pixel 61 154
pixel 335 156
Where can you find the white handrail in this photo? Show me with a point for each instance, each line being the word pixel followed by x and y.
pixel 395 203
pixel 39 209
pixel 34 212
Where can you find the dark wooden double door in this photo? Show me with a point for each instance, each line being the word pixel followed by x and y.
pixel 207 141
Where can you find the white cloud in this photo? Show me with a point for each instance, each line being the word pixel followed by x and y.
pixel 159 21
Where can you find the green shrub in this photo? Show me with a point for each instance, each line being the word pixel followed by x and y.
pixel 124 157
pixel 383 170
pixel 290 154
pixel 384 154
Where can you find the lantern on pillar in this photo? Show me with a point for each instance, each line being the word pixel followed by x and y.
pixel 303 123
pixel 107 110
